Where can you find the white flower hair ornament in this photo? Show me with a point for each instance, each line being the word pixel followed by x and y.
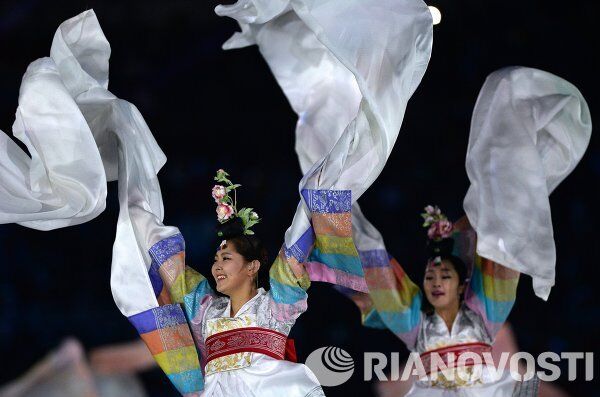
pixel 232 222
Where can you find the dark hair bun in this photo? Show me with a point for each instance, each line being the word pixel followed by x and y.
pixel 443 247
pixel 232 228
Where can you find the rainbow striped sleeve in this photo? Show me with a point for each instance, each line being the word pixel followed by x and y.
pixel 171 279
pixel 369 316
pixel 396 299
pixel 165 329
pixel 289 282
pixel 334 258
pixel 491 292
pixel 325 252
pixel 393 301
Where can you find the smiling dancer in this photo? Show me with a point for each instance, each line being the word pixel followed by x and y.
pixel 241 333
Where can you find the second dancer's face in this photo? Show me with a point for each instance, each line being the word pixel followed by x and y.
pixel 230 270
pixel 442 285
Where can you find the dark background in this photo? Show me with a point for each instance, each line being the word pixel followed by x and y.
pixel 212 109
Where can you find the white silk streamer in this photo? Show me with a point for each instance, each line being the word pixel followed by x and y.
pixel 529 130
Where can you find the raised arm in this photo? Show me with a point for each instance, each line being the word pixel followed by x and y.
pixel 289 281
pixel 165 329
pixel 172 280
pixel 491 292
pixel 348 124
pixel 324 252
pixel 396 299
pixel 492 287
pixel 393 300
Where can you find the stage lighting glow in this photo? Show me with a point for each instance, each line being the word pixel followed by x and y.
pixel 435 14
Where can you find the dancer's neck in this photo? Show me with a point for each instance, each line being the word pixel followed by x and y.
pixel 239 298
pixel 448 314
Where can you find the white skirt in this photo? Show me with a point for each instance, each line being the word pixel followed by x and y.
pixel 266 377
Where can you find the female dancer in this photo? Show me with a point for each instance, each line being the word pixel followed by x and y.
pixel 460 314
pixel 505 342
pixel 529 131
pixel 241 333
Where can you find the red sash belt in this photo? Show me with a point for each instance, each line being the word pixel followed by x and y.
pixel 247 339
pixel 458 350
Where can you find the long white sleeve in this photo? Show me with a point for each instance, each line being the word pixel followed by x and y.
pixel 529 130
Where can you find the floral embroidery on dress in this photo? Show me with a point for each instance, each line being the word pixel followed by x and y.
pixel 230 361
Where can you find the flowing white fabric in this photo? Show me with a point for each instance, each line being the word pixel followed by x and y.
pixel 348 68
pixel 80 135
pixel 129 152
pixel 528 132
pixel 63 182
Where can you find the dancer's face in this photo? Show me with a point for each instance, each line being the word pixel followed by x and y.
pixel 442 285
pixel 231 271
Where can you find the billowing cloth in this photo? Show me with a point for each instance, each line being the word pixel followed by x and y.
pixel 528 132
pixel 349 83
pixel 82 136
pixel 63 182
pixel 129 154
pixel 348 68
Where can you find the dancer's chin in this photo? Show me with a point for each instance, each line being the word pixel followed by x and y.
pixel 222 287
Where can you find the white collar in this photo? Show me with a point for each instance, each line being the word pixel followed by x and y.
pixel 456 319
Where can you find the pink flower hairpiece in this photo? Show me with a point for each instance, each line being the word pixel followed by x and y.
pixel 227 206
pixel 439 226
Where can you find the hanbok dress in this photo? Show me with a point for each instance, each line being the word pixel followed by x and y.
pixel 528 132
pixel 488 299
pixel 243 354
